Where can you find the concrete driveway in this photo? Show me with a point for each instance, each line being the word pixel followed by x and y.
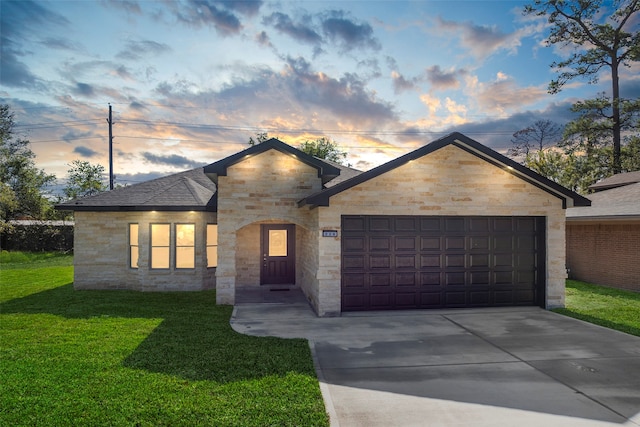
pixel 485 367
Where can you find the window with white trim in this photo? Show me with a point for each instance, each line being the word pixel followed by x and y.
pixel 185 246
pixel 212 245
pixel 133 246
pixel 160 245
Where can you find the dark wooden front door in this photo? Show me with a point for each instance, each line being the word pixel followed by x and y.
pixel 278 254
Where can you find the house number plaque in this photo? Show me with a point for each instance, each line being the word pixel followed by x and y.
pixel 329 233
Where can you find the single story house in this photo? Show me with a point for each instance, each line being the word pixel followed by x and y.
pixel 451 224
pixel 603 240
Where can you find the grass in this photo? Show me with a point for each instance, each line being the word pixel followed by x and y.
pixel 124 358
pixel 609 307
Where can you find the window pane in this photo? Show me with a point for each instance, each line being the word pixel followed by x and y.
pixel 160 257
pixel 159 234
pixel 134 257
pixel 185 257
pixel 185 234
pixel 133 234
pixel 277 242
pixel 212 234
pixel 212 256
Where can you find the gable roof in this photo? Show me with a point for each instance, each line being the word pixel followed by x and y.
pixel 326 171
pixel 190 190
pixel 568 197
pixel 617 203
pixel 617 180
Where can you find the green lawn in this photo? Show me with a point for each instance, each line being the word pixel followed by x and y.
pixel 613 308
pixel 123 358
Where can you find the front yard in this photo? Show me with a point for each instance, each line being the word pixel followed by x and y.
pixel 613 308
pixel 139 359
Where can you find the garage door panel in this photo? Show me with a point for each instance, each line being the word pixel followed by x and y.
pixel 431 224
pixel 479 278
pixel 380 280
pixel 406 279
pixel 380 243
pixel 453 243
pixel 430 261
pixel 350 262
pixel 406 261
pixel 430 278
pixel 380 224
pixel 353 280
pixel 379 301
pixel 456 260
pixel 454 278
pixel 379 261
pixel 353 224
pixel 436 262
pixel 406 224
pixel 428 243
pixel 405 243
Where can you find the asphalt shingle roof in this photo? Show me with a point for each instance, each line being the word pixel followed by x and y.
pixel 190 190
pixel 617 180
pixel 616 203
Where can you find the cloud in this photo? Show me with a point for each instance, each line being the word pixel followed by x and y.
pixel 300 31
pixel 85 151
pixel 216 13
pixel 19 21
pixel 441 80
pixel 137 49
pixel 174 160
pixel 329 27
pixel 84 89
pixel 480 41
pixel 503 94
pixel 401 84
pixel 61 43
pixel 348 34
pixel 126 5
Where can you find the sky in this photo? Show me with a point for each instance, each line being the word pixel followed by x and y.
pixel 191 81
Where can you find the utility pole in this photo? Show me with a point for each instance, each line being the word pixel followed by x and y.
pixel 110 121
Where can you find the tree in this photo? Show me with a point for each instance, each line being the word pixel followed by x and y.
pixel 260 137
pixel 20 178
pixel 574 172
pixel 537 137
pixel 600 40
pixel 324 148
pixel 84 179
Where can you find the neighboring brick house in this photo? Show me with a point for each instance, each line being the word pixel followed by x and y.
pixel 451 224
pixel 603 240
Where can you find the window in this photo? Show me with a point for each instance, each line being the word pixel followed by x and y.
pixel 185 246
pixel 133 245
pixel 160 238
pixel 212 245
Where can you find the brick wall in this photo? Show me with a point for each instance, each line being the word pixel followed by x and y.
pixel 101 252
pixel 606 253
pixel 449 181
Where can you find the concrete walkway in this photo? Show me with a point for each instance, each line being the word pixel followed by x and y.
pixel 485 367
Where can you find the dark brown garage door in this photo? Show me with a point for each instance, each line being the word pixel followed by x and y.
pixel 406 262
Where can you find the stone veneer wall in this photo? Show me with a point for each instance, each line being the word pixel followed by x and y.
pixel 449 181
pixel 101 252
pixel 605 253
pixel 262 188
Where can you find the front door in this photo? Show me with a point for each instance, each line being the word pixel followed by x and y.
pixel 278 254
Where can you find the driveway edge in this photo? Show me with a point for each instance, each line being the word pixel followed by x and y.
pixel 324 388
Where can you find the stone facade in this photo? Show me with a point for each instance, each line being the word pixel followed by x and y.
pixel 449 181
pixel 605 252
pixel 101 252
pixel 261 189
pixel 265 187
